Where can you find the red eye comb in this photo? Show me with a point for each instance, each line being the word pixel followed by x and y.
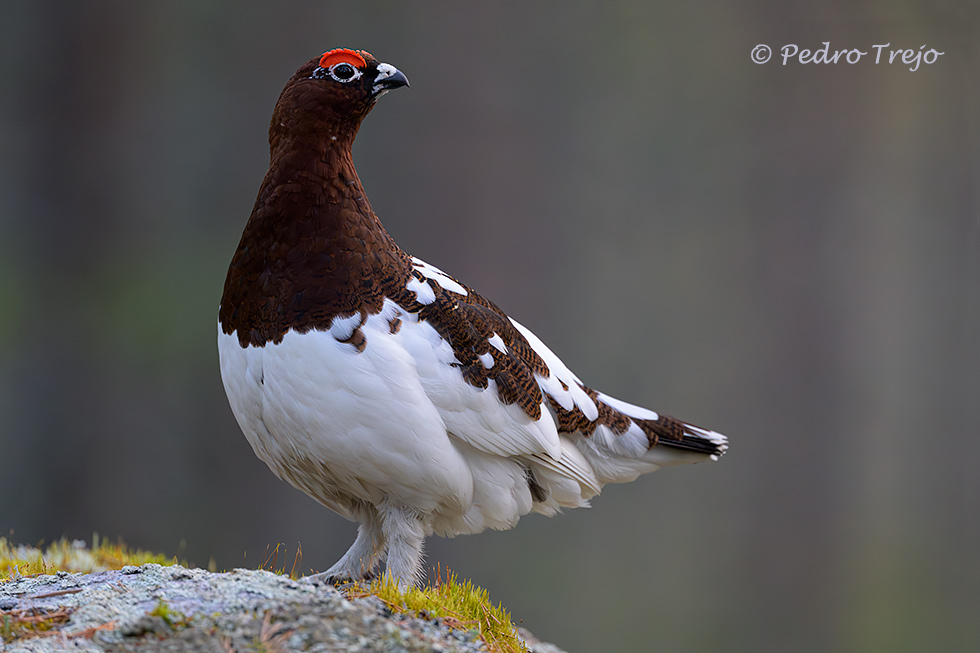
pixel 342 55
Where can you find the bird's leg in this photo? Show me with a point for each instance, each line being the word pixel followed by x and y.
pixel 362 557
pixel 403 532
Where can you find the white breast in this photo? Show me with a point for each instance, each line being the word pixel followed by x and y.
pixel 394 420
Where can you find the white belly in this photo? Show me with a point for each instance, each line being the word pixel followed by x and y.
pixel 346 426
pixel 395 421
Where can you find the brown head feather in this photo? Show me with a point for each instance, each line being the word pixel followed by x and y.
pixel 313 247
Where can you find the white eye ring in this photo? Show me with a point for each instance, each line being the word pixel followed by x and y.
pixel 343 66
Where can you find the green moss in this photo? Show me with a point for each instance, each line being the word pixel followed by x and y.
pixel 457 604
pixel 171 616
pixel 73 556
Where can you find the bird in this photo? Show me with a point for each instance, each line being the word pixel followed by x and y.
pixel 386 389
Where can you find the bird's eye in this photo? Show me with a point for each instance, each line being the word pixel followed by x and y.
pixel 343 72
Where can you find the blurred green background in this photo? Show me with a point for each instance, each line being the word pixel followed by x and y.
pixel 788 254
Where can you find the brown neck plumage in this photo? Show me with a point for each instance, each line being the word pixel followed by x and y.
pixel 313 247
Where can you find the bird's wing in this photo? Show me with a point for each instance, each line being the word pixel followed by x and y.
pixel 478 348
pixel 476 368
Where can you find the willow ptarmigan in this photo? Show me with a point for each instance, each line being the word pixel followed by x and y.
pixel 386 389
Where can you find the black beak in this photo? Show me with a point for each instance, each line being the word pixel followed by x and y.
pixel 398 79
pixel 388 78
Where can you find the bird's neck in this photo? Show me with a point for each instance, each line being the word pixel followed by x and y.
pixel 312 249
pixel 320 180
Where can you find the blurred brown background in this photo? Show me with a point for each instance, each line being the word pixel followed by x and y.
pixel 788 254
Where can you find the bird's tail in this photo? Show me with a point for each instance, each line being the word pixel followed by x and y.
pixel 675 434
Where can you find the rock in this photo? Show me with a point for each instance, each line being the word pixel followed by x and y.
pixel 155 608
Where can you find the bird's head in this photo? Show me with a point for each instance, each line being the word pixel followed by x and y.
pixel 330 95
